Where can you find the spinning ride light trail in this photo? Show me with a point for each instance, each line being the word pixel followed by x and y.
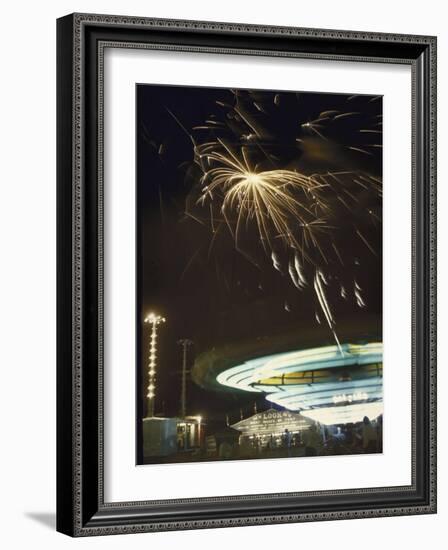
pixel 321 383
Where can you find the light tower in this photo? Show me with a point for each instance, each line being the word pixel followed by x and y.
pixel 154 321
pixel 184 342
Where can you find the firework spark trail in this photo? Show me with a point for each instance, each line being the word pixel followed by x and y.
pixel 275 262
pixel 320 292
pixel 190 262
pixel 357 291
pixel 313 126
pixel 366 242
pixel 360 150
pixel 301 277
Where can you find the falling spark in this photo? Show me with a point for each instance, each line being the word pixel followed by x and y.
pixel 360 150
pixel 275 262
pixel 344 115
pixel 190 262
pixel 320 293
pixel 314 128
pixel 357 292
pixel 301 278
pixel 329 112
pixel 365 241
pixel 337 253
pixel 259 107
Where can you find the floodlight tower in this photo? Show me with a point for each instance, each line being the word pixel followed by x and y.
pixel 185 343
pixel 154 321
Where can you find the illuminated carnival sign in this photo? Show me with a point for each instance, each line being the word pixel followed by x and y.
pixel 349 398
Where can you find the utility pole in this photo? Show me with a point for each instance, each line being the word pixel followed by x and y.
pixel 185 343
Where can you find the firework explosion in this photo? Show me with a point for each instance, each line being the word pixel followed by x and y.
pixel 251 182
pixel 289 182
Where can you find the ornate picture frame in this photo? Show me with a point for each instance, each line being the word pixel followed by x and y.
pixel 81 506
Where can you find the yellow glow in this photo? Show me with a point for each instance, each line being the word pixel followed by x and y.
pixel 154 319
pixel 252 179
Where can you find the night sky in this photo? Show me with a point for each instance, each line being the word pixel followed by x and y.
pixel 217 293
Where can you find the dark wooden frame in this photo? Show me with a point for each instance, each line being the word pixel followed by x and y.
pixel 81 510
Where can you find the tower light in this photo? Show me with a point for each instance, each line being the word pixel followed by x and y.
pixel 153 320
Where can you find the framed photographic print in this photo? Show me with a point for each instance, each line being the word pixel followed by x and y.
pixel 246 274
